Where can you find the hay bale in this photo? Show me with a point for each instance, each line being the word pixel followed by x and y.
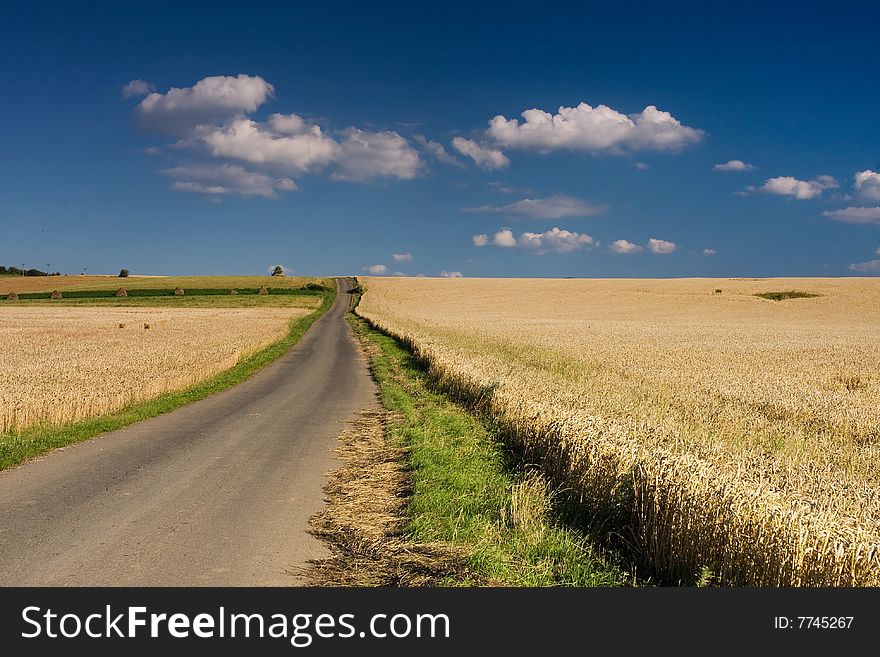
pixel 56 294
pixel 178 291
pixel 12 296
pixel 262 290
pixel 121 292
pixel 233 291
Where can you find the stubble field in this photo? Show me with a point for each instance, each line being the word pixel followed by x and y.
pixel 708 430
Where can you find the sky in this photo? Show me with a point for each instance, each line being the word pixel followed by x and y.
pixel 457 139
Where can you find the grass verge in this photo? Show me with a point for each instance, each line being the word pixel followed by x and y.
pixel 15 448
pixel 467 492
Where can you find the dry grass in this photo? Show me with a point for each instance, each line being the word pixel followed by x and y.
pixel 363 524
pixel 65 364
pixel 720 429
pixel 22 284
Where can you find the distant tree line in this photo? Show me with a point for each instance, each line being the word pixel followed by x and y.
pixel 25 272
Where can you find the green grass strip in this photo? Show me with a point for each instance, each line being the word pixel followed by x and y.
pixel 465 494
pixel 15 448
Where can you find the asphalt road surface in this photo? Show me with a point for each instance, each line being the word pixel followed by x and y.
pixel 218 492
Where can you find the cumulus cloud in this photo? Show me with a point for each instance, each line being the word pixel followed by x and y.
pixel 661 246
pixel 402 257
pixel 211 99
pixel 227 179
pixel 709 252
pixel 451 274
pixel 622 246
pixel 798 189
pixel 302 151
pixel 485 157
pixel 733 165
pixel 211 118
pixel 376 269
pixel 593 129
pixel 438 151
pixel 136 88
pixel 365 155
pixel 870 267
pixel 853 215
pixel 555 240
pixel 868 184
pixel 642 166
pixel 552 207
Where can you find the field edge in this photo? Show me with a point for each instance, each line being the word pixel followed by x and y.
pixel 18 447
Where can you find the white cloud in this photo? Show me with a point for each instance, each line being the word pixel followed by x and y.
pixel 504 188
pixel 211 99
pixel 376 269
pixel 709 252
pixel 734 165
pixel 593 129
pixel 297 153
pixel 799 189
pixel 641 166
pixel 552 207
pixel 661 246
pixel 870 267
pixel 853 215
pixel 136 88
pixel 298 146
pixel 485 157
pixel 555 240
pixel 152 150
pixel 868 184
pixel 451 274
pixel 365 155
pixel 877 251
pixel 439 153
pixel 227 179
pixel 402 257
pixel 622 246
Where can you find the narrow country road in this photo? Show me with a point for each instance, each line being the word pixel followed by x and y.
pixel 215 493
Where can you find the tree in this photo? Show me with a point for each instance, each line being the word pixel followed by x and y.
pixel 278 271
pixel 123 273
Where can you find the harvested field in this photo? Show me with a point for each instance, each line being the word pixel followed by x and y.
pixel 22 284
pixel 65 364
pixel 709 429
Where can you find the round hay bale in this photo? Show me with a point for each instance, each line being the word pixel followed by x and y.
pixel 12 296
pixel 56 294
pixel 121 292
pixel 233 291
pixel 178 291
pixel 262 290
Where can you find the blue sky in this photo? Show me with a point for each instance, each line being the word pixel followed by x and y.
pixel 311 136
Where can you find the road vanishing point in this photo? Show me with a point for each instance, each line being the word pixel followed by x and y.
pixel 216 493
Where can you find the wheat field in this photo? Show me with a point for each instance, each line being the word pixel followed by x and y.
pixel 24 284
pixel 720 430
pixel 65 364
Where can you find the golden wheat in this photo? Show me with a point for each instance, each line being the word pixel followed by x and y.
pixel 730 431
pixel 68 363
